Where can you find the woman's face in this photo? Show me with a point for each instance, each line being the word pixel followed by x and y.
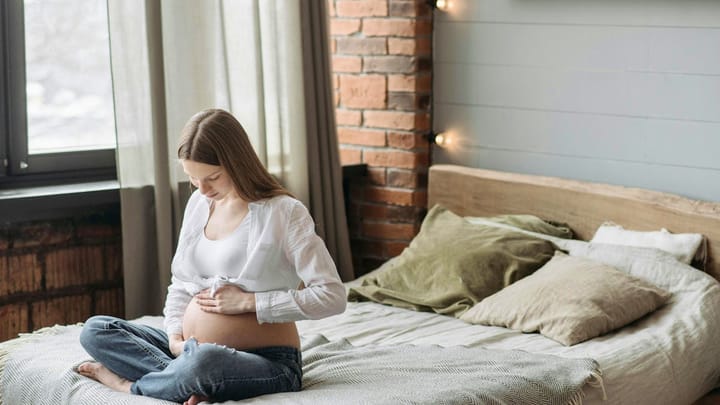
pixel 212 181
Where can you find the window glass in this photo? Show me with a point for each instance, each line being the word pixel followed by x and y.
pixel 69 86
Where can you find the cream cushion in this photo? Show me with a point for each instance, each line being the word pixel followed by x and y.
pixel 682 246
pixel 570 300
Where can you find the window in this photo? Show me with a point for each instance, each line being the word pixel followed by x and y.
pixel 56 108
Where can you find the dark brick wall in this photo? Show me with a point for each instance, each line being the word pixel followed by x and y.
pixel 60 271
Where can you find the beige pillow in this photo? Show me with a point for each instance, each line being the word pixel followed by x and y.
pixel 570 299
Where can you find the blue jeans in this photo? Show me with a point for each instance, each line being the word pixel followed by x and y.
pixel 142 354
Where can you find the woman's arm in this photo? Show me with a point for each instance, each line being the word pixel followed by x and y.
pixel 175 303
pixel 324 294
pixel 178 298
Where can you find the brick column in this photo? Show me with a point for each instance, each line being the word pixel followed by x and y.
pixel 382 68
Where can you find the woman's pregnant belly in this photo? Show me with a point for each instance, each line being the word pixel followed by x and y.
pixel 240 331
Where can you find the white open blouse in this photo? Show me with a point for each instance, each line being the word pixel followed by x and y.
pixel 272 251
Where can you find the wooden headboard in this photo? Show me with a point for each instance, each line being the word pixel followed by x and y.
pixel 582 205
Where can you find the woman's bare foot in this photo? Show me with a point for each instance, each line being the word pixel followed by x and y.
pixel 195 399
pixel 98 372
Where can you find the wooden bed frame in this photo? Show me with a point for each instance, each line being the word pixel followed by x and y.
pixel 582 205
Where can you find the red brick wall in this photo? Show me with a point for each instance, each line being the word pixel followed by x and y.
pixel 59 272
pixel 382 73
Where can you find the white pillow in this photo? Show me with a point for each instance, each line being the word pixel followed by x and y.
pixel 681 245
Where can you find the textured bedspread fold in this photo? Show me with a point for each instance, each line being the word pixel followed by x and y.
pixel 38 370
pixel 338 372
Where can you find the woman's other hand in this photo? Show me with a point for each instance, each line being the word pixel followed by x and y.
pixel 228 300
pixel 176 344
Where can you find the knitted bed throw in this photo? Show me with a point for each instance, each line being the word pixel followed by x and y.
pixel 38 369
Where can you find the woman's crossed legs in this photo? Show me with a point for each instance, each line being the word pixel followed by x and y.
pixel 137 359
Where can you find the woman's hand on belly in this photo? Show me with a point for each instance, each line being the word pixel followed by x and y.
pixel 229 300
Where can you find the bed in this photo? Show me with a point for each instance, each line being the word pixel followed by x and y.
pixel 378 353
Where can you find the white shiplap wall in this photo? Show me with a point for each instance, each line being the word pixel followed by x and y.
pixel 616 91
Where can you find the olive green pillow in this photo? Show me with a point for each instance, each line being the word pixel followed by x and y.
pixel 452 264
pixel 530 223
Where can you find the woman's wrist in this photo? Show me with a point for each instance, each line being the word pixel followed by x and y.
pixel 251 305
pixel 176 343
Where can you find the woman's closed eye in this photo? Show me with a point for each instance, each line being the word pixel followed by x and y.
pixel 195 181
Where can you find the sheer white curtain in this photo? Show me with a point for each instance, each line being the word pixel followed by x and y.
pixel 172 58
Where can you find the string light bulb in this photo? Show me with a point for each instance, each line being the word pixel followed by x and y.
pixel 442 5
pixel 438 138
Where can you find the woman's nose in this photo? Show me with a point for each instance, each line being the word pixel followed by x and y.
pixel 204 187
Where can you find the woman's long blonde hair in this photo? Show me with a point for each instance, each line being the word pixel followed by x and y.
pixel 215 137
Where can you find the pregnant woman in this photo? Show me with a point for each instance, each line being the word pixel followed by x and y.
pixel 248 264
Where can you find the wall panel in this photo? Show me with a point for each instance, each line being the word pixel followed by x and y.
pixel 622 92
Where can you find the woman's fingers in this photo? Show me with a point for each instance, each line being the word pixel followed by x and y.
pixel 215 310
pixel 209 305
pixel 207 302
pixel 228 299
pixel 203 295
pixel 204 299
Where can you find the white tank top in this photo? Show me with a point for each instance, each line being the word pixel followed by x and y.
pixel 223 257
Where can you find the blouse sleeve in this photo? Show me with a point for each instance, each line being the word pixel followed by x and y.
pixel 176 302
pixel 178 298
pixel 324 294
